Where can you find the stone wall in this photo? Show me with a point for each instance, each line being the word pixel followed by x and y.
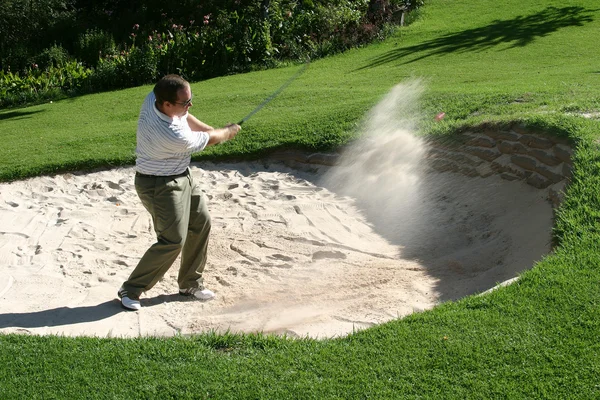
pixel 513 153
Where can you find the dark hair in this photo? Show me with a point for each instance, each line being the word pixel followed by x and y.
pixel 167 87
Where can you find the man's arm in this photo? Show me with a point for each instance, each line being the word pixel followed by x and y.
pixel 216 136
pixel 223 134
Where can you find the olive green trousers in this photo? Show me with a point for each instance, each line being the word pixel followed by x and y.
pixel 182 225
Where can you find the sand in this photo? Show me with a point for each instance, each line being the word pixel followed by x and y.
pixel 287 253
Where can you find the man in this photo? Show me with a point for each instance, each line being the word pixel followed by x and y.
pixel 167 135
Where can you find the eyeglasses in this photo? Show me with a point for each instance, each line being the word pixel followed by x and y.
pixel 184 103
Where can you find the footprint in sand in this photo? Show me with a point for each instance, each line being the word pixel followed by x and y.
pixel 323 254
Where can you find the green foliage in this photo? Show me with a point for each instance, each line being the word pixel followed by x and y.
pixel 37 84
pixel 54 56
pixel 29 26
pixel 93 45
pixel 209 40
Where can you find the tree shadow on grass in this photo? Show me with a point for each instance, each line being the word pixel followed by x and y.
pixel 17 114
pixel 519 32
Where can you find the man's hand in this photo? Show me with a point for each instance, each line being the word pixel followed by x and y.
pixel 223 134
pixel 233 130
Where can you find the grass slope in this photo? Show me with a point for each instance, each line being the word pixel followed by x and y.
pixel 535 61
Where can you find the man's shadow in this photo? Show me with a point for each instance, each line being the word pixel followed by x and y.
pixel 77 315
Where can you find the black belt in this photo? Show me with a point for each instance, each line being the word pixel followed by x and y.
pixel 184 173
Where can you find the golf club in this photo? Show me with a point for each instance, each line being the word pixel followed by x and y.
pixel 271 97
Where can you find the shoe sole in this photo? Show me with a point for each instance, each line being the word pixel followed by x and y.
pixel 127 308
pixel 193 296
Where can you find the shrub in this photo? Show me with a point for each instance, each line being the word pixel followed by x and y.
pixel 140 65
pixel 29 26
pixel 54 56
pixel 230 36
pixel 38 85
pixel 94 44
pixel 109 73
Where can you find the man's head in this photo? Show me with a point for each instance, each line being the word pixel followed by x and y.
pixel 173 95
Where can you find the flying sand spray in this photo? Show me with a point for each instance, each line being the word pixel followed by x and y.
pixel 383 169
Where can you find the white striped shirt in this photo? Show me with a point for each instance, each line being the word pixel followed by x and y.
pixel 165 144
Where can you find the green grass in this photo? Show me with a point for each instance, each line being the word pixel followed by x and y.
pixel 537 62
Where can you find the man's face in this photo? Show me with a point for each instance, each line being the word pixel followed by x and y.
pixel 183 103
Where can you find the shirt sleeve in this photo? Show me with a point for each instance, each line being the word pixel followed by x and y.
pixel 185 141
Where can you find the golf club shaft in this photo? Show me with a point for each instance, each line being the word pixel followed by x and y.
pixel 271 97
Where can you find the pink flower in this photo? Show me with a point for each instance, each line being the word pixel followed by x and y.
pixel 149 38
pixel 136 26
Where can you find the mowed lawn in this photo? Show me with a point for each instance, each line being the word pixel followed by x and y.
pixel 537 62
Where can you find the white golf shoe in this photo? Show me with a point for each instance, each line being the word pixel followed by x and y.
pixel 200 294
pixel 129 301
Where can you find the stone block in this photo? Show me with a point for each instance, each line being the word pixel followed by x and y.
pixel 503 135
pixel 507 147
pixel 323 159
pixel 538 181
pixel 481 141
pixel 562 152
pixel 462 158
pixel 485 170
pixel 484 154
pixel 520 129
pixel 501 161
pixel 504 165
pixel 442 165
pixel 553 174
pixel 567 170
pixel 449 142
pixel 509 177
pixel 560 140
pixel 536 142
pixel 545 157
pixel 556 193
pixel 468 171
pixel 525 162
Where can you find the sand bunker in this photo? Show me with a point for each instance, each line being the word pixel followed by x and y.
pixel 313 251
pixel 286 254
